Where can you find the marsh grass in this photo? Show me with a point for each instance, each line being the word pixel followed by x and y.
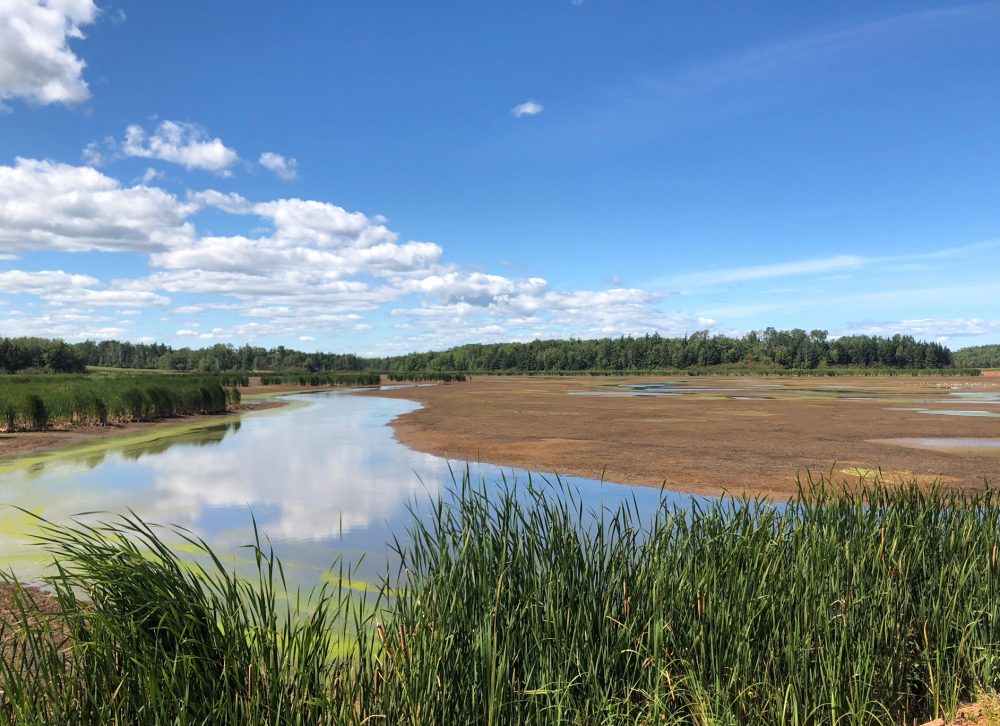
pixel 34 403
pixel 320 379
pixel 513 603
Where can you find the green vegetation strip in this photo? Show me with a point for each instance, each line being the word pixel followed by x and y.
pixel 320 379
pixel 37 402
pixel 764 349
pixel 876 605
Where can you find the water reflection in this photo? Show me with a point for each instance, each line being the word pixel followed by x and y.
pixel 315 474
pixel 322 480
pixel 949 412
pixel 965 446
pixel 751 391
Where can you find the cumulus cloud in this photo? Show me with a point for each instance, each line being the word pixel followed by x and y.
pixel 301 267
pixel 479 306
pixel 528 108
pixel 61 288
pixel 44 282
pixel 232 203
pixel 36 62
pixel 186 144
pixel 286 168
pixel 105 298
pixel 50 206
pixel 66 324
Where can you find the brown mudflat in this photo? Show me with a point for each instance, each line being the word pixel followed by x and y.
pixel 741 435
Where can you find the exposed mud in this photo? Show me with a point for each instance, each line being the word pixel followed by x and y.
pixel 734 434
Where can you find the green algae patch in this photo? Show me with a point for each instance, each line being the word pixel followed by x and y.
pixel 354 585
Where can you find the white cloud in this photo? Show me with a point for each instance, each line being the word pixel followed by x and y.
pixel 46 205
pixel 487 307
pixel 106 298
pixel 36 62
pixel 97 153
pixel 150 175
pixel 940 328
pixel 319 223
pixel 180 143
pixel 232 203
pixel 286 168
pixel 44 282
pixel 67 323
pixel 303 267
pixel 62 289
pixel 528 108
pixel 306 338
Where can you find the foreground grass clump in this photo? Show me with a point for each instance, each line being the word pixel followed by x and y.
pixel 514 604
pixel 160 640
pixel 34 403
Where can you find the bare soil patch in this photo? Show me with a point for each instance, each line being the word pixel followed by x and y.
pixel 703 442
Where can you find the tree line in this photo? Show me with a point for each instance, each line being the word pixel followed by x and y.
pixel 760 349
pixel 978 356
pixel 769 348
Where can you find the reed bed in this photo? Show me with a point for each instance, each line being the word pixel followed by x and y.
pixel 320 379
pixel 427 376
pixel 34 403
pixel 233 379
pixel 876 604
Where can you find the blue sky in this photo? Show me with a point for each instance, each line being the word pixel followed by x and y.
pixel 386 177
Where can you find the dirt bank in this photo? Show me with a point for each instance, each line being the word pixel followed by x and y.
pixel 705 441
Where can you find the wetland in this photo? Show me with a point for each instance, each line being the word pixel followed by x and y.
pixel 731 434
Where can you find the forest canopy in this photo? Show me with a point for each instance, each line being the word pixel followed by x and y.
pixel 978 356
pixel 769 348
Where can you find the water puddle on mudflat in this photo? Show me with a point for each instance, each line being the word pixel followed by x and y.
pixel 950 412
pixel 963 446
pixel 753 391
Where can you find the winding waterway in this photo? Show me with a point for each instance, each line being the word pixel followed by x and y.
pixel 324 478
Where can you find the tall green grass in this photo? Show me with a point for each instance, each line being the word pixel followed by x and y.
pixel 37 402
pixel 426 376
pixel 515 604
pixel 320 379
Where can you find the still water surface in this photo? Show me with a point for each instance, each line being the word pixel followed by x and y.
pixel 323 478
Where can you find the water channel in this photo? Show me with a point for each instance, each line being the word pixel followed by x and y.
pixel 323 477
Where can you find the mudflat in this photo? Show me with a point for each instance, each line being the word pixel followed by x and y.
pixel 708 435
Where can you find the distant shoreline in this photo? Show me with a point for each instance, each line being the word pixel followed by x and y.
pixel 29 445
